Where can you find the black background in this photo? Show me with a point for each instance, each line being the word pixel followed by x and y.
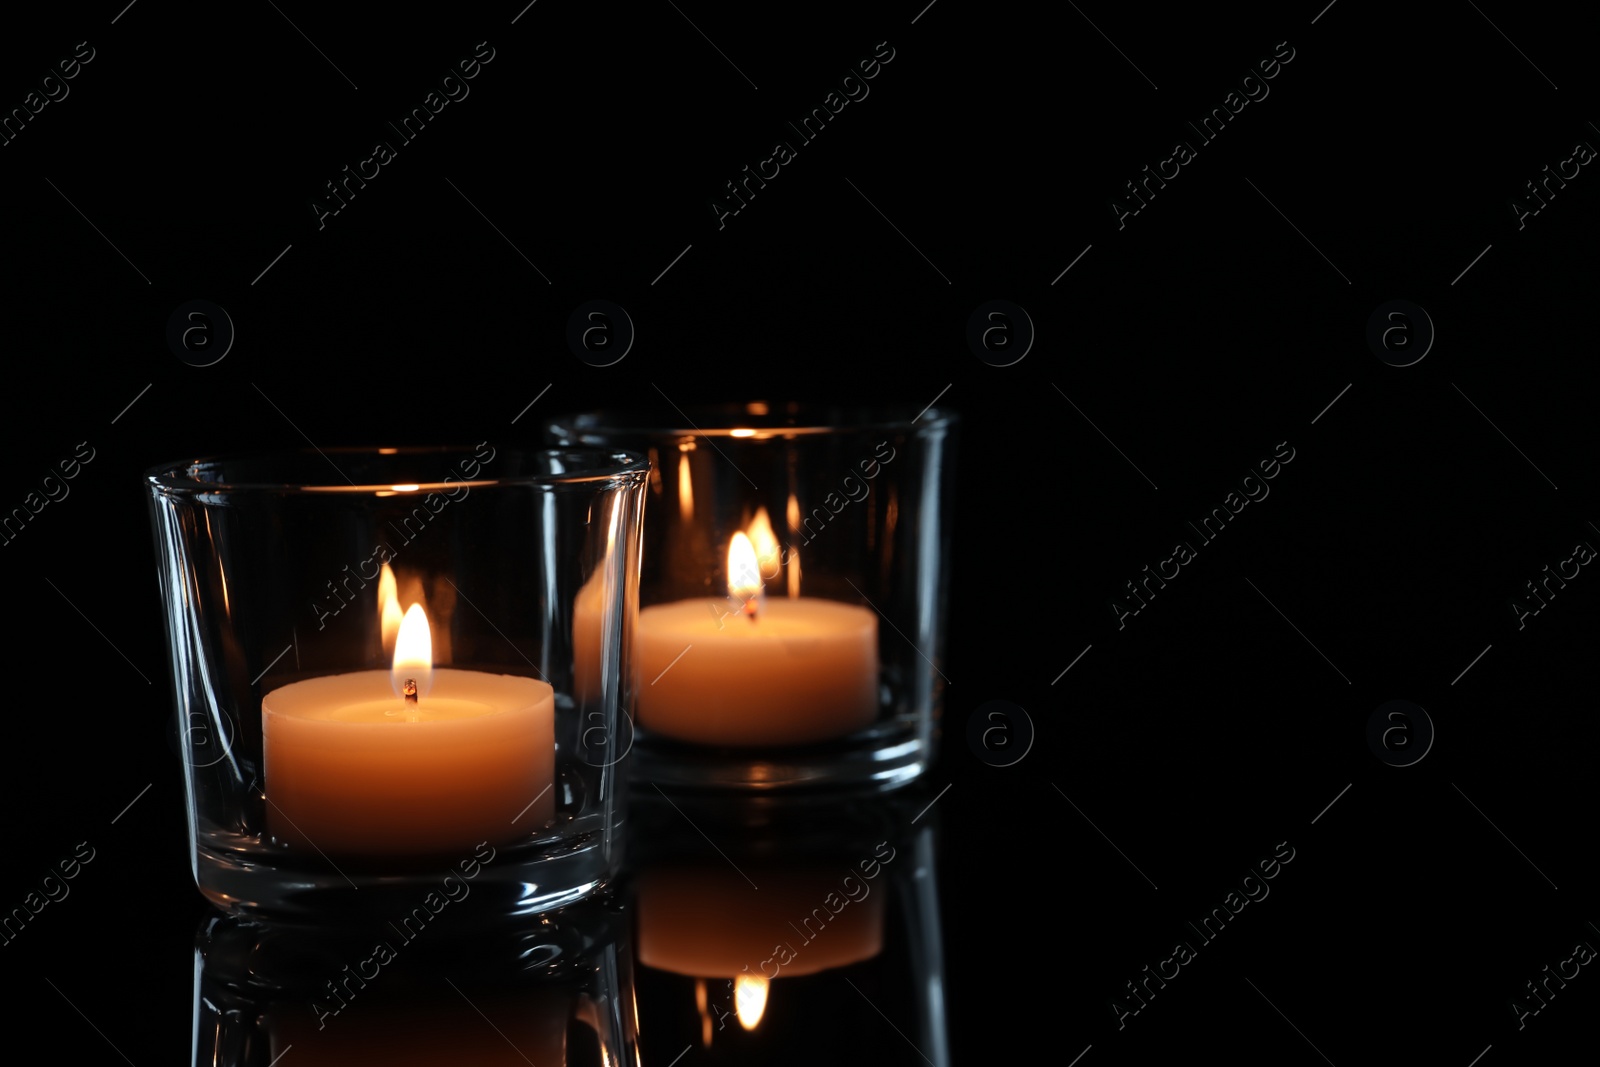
pixel 1215 724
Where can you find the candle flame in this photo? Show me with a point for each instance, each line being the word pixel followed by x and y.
pixel 765 542
pixel 389 613
pixel 413 653
pixel 744 574
pixel 750 999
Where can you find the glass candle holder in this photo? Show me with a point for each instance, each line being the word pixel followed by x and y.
pixel 554 992
pixel 390 664
pixel 791 594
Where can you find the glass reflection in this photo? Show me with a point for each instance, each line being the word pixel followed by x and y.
pixel 556 990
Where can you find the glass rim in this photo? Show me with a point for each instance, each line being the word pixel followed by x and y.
pixel 177 476
pixel 755 420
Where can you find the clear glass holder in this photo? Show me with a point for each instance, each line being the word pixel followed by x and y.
pixel 792 592
pixel 401 672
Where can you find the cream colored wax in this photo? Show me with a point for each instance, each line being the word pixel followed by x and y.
pixel 351 769
pixel 802 670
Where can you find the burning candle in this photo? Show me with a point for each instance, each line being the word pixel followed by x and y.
pixel 757 671
pixel 409 761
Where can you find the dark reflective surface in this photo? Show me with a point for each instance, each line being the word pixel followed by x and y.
pixel 759 933
pixel 738 928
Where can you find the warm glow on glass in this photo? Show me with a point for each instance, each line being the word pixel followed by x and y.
pixel 741 433
pixel 705 1016
pixel 413 653
pixel 750 999
pixel 389 613
pixel 685 488
pixel 792 514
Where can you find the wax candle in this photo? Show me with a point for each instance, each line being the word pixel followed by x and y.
pixel 753 670
pixel 353 766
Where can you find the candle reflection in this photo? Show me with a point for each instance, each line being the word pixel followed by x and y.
pixel 705 922
pixel 808 925
pixel 685 489
pixel 750 999
pixel 389 611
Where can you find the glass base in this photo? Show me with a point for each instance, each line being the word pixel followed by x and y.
pixel 521 879
pixel 879 759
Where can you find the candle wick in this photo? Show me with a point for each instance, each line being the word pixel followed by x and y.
pixel 410 690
